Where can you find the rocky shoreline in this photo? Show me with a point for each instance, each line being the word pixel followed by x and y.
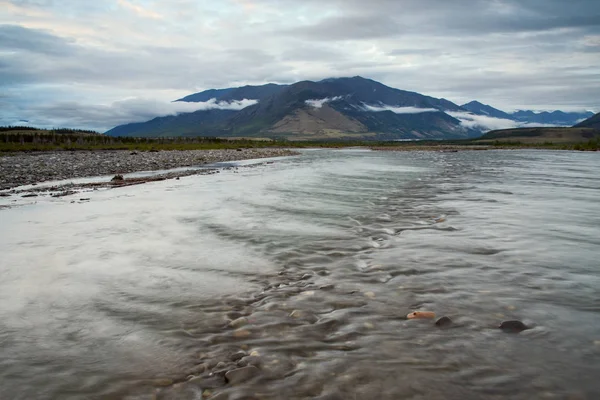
pixel 32 168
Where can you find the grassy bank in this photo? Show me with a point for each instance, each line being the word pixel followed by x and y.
pixel 16 139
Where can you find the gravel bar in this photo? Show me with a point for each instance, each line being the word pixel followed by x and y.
pixel 28 168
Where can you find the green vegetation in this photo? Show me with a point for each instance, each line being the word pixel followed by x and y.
pixel 16 139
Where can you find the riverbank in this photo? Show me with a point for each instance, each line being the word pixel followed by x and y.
pixel 32 168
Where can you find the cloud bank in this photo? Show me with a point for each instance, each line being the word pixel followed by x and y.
pixel 319 103
pixel 484 123
pixel 398 110
pixel 104 117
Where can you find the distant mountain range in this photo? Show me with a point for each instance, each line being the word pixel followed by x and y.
pixel 335 108
pixel 558 118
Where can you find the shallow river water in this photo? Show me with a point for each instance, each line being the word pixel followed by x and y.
pixel 318 259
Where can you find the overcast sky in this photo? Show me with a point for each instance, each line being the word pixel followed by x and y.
pixel 96 64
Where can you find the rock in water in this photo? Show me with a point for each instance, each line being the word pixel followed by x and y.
pixel 513 326
pixel 238 323
pixel 443 322
pixel 421 315
pixel 241 374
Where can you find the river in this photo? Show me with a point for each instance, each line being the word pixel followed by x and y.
pixel 322 256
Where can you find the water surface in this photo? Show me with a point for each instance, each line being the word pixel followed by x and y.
pixel 324 254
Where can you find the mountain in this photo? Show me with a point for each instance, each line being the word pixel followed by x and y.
pixel 332 108
pixel 551 118
pixel 483 109
pixel 558 118
pixel 229 94
pixel 592 122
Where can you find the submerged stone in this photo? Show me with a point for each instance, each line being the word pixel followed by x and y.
pixel 514 326
pixel 241 374
pixel 443 322
pixel 238 356
pixel 239 322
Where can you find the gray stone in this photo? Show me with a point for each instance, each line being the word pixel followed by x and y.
pixel 250 360
pixel 238 356
pixel 221 365
pixel 241 374
pixel 443 322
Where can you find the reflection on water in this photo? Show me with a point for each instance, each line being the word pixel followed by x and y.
pixel 321 256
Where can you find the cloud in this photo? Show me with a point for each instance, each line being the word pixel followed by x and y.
pixel 398 110
pixel 212 104
pixel 485 123
pixel 319 103
pixel 139 10
pixel 535 54
pixel 104 117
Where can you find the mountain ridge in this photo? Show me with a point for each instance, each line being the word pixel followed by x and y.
pixel 557 117
pixel 346 107
pixel 336 107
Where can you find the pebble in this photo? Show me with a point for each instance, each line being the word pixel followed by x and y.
pixel 514 326
pixel 221 365
pixel 238 356
pixel 370 295
pixel 234 314
pixel 163 382
pixel 241 333
pixel 250 360
pixel 238 323
pixel 329 286
pixel 241 374
pixel 304 315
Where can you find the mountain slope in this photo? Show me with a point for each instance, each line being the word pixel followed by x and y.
pixel 592 122
pixel 483 109
pixel 185 124
pixel 346 107
pixel 229 94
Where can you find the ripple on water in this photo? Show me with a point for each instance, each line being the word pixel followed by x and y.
pixel 308 276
